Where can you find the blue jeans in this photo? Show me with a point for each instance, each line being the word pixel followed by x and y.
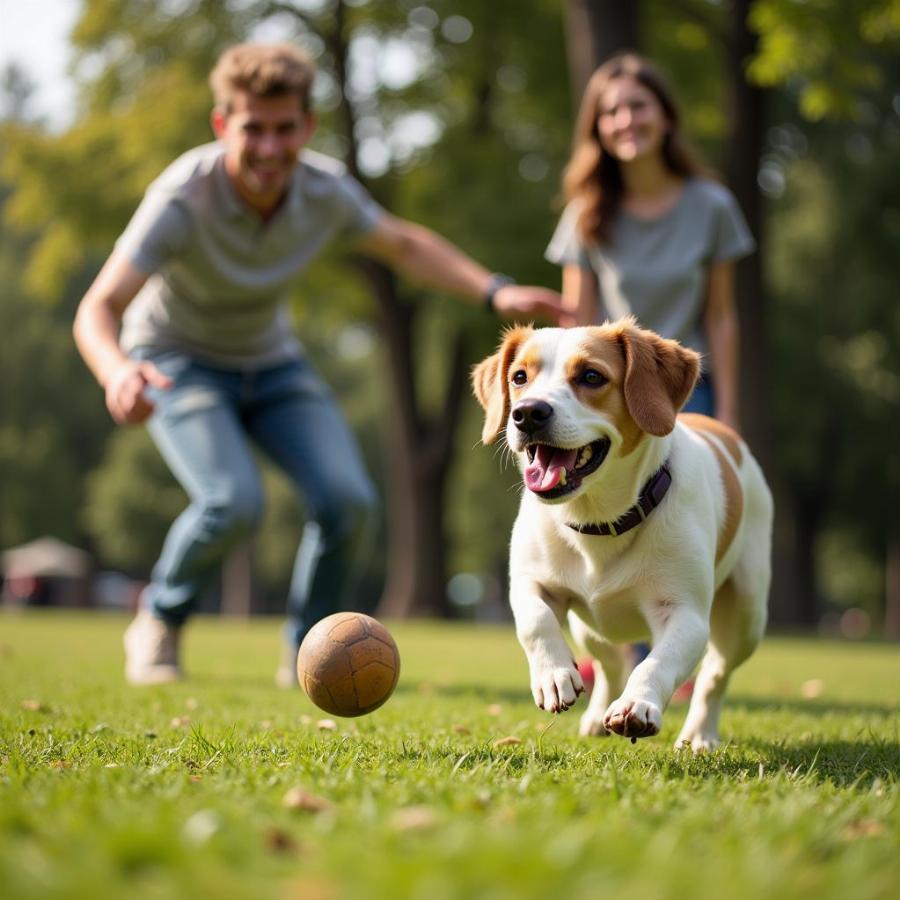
pixel 703 399
pixel 204 426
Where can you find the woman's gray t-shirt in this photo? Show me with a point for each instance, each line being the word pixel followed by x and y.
pixel 219 274
pixel 657 269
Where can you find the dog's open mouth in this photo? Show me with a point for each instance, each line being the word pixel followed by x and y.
pixel 555 471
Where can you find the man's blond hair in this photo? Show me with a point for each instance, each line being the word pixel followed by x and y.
pixel 263 70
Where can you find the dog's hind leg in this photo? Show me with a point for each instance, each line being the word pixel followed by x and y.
pixel 610 670
pixel 737 620
pixel 736 624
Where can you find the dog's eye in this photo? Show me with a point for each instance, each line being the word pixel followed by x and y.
pixel 520 377
pixel 592 378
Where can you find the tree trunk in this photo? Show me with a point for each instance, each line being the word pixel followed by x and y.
pixel 794 595
pixel 595 30
pixel 805 609
pixel 416 564
pixel 419 456
pixel 418 453
pixel 746 134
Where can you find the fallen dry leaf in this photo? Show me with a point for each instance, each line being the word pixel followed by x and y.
pixel 505 817
pixel 863 828
pixel 326 725
pixel 300 799
pixel 33 706
pixel 507 741
pixel 460 729
pixel 494 709
pixel 811 689
pixel 180 722
pixel 310 888
pixel 414 818
pixel 278 841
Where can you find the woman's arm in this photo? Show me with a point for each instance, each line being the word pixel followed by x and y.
pixel 580 297
pixel 720 323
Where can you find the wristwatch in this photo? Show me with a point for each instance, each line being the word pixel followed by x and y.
pixel 498 280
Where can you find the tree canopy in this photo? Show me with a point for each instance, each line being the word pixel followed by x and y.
pixel 458 115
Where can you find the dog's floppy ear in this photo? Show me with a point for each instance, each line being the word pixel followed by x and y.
pixel 489 381
pixel 659 377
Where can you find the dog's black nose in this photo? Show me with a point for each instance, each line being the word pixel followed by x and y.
pixel 531 416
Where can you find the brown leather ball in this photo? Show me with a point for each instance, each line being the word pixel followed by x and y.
pixel 348 664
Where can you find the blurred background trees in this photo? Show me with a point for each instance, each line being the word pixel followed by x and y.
pixel 458 114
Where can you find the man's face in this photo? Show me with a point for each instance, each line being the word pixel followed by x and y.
pixel 262 137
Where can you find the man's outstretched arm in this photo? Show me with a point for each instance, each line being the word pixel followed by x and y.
pixel 428 259
pixel 96 331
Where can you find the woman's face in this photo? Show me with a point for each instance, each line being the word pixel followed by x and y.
pixel 631 122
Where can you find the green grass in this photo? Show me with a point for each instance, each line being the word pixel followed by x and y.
pixel 109 791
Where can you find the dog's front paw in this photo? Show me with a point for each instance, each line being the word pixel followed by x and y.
pixel 633 718
pixel 556 688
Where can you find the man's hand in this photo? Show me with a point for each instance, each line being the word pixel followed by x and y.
pixel 519 301
pixel 125 397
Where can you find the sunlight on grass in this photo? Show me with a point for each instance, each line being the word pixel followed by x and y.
pixel 458 787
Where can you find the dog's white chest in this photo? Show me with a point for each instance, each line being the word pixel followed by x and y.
pixel 618 617
pixel 605 595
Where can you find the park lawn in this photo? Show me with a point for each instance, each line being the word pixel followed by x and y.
pixel 109 791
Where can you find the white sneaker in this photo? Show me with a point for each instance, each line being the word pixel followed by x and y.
pixel 286 675
pixel 151 650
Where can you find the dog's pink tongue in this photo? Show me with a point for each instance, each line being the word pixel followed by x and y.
pixel 547 467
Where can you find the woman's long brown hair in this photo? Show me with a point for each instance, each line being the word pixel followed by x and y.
pixel 594 177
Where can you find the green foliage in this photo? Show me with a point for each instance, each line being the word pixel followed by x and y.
pixel 837 326
pixel 834 52
pixel 829 173
pixel 77 190
pixel 52 429
pixel 178 792
pixel 688 48
pixel 500 112
pixel 498 106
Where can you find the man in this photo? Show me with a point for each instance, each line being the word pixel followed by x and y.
pixel 207 356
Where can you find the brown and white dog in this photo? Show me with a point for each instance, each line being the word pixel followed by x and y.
pixel 634 522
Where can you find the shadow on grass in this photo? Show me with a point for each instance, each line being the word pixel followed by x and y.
pixel 845 763
pixel 469 691
pixel 856 765
pixel 809 707
pixel 738 702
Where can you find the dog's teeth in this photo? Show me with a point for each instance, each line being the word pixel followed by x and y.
pixel 584 456
pixel 562 477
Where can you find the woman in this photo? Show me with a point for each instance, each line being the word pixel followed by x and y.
pixel 646 232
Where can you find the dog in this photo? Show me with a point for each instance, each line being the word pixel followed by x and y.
pixel 635 522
